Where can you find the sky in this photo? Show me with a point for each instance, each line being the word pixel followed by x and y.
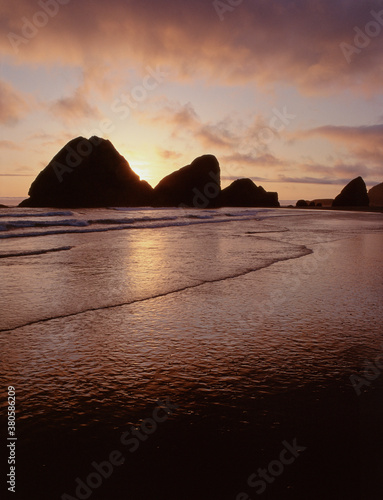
pixel 286 92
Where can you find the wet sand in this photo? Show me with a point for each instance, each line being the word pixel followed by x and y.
pixel 212 444
pixel 252 362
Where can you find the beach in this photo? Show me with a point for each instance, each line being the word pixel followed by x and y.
pixel 187 351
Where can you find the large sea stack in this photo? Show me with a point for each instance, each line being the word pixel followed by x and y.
pixel 196 185
pixel 353 195
pixel 375 195
pixel 88 173
pixel 244 193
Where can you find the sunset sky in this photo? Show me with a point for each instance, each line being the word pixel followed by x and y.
pixel 286 92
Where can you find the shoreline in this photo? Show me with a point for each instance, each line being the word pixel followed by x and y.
pixel 251 361
pixel 342 209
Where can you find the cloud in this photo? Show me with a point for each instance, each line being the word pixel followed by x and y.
pixel 262 41
pixel 312 180
pixel 364 142
pixel 181 116
pixel 17 175
pixel 10 145
pixel 169 155
pixel 13 104
pixel 264 160
pixel 75 107
pixel 242 140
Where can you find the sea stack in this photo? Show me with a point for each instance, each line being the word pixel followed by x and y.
pixel 88 173
pixel 244 193
pixel 353 195
pixel 196 185
pixel 375 195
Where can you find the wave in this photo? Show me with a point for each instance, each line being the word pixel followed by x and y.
pixel 303 250
pixel 147 224
pixel 89 221
pixel 28 223
pixel 36 214
pixel 130 221
pixel 33 252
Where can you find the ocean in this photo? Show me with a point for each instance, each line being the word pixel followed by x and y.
pixel 193 354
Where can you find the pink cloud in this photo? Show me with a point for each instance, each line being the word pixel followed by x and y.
pixel 75 107
pixel 169 155
pixel 296 42
pixel 10 145
pixel 364 142
pixel 13 104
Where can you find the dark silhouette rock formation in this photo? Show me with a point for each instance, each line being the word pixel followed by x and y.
pixel 88 173
pixel 353 195
pixel 323 202
pixel 375 195
pixel 301 203
pixel 3 206
pixel 196 185
pixel 244 193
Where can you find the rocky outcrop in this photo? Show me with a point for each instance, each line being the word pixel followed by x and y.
pixel 244 193
pixel 375 195
pixel 196 185
pixel 301 203
pixel 88 173
pixel 323 202
pixel 3 206
pixel 353 195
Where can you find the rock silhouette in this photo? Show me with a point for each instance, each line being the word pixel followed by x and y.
pixel 244 193
pixel 353 195
pixel 3 206
pixel 195 185
pixel 88 173
pixel 323 202
pixel 375 195
pixel 301 203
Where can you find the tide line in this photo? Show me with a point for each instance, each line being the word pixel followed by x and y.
pixel 157 296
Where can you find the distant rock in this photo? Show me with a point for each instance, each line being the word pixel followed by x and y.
pixel 323 202
pixel 375 195
pixel 3 206
pixel 301 203
pixel 244 193
pixel 88 173
pixel 353 195
pixel 196 185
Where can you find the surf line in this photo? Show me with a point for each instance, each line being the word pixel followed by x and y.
pixel 151 225
pixel 153 297
pixel 33 252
